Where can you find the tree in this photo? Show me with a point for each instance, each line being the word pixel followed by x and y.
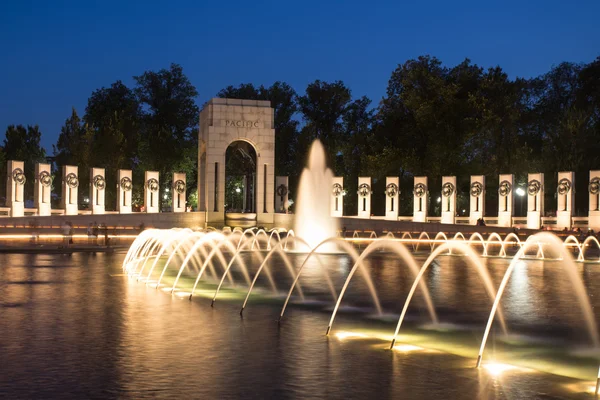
pixel 169 129
pixel 114 115
pixel 355 149
pixel 323 107
pixel 75 146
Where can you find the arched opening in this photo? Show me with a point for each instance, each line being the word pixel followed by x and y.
pixel 240 184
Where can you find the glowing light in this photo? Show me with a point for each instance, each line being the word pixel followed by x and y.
pixel 350 335
pixel 407 348
pixel 238 190
pixel 496 369
pixel 520 192
pixel 439 199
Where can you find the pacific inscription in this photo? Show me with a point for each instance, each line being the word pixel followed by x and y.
pixel 242 124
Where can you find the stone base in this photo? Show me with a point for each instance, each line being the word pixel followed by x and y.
pixel 71 209
pixel 474 216
pixel 391 215
pixel 594 220
pixel 563 220
pixel 420 217
pixel 98 210
pixel 447 217
pixel 17 209
pixel 44 209
pixel 504 219
pixel 534 219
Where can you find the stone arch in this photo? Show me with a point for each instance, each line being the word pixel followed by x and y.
pixel 223 122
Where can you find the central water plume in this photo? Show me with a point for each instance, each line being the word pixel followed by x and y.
pixel 313 211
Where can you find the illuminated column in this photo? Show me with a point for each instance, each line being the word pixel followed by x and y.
pixel 392 198
pixel 15 185
pixel 70 183
pixel 281 194
pixel 43 189
pixel 124 186
pixel 506 197
pixel 337 196
pixel 151 193
pixel 477 192
pixel 594 211
pixel 97 190
pixel 448 199
pixel 420 193
pixel 535 200
pixel 179 192
pixel 565 196
pixel 364 197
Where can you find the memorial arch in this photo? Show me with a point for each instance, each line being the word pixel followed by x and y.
pixel 245 127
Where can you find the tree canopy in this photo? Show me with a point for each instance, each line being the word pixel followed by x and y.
pixel 433 120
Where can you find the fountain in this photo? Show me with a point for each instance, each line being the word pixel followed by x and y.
pixel 313 220
pixel 316 232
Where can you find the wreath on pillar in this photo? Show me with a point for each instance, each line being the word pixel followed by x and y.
pixel 282 190
pixel 45 178
pixel 448 189
pixel 99 182
pixel 337 190
pixel 564 186
pixel 594 186
pixel 476 189
pixel 126 184
pixel 505 188
pixel 391 190
pixel 179 186
pixel 72 180
pixel 420 189
pixel 152 185
pixel 534 187
pixel 19 176
pixel 364 190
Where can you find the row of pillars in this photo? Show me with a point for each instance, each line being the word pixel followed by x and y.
pixel 506 193
pixel 15 185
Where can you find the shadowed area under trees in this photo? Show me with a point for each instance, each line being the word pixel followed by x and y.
pixel 433 120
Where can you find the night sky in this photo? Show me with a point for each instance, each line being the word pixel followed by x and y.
pixel 55 53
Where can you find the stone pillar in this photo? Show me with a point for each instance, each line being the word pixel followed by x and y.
pixel 70 184
pixel 337 196
pixel 535 200
pixel 124 186
pixel 448 199
pixel 506 196
pixel 151 192
pixel 281 194
pixel 477 192
pixel 565 197
pixel 97 190
pixel 420 193
pixel 42 191
pixel 594 210
pixel 179 192
pixel 392 198
pixel 15 188
pixel 364 197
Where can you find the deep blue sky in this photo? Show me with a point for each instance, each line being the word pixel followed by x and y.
pixel 53 54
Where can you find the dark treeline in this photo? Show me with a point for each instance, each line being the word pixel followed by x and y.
pixel 434 120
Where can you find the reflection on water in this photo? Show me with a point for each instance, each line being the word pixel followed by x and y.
pixel 74 327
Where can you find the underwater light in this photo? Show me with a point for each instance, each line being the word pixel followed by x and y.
pixel 407 347
pixel 496 369
pixel 350 335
